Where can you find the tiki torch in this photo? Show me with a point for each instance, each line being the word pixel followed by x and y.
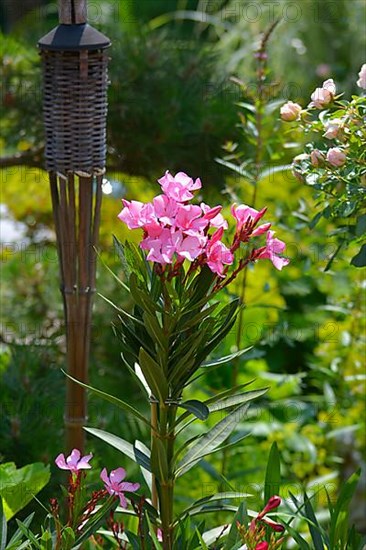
pixel 75 81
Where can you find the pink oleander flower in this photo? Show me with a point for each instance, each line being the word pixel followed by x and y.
pixel 165 209
pixel 188 247
pixel 73 462
pixel 179 187
pixel 218 254
pixel 290 111
pixel 244 214
pixel 136 214
pixel 361 82
pixel 213 215
pixel 272 249
pixel 332 128
pixel 115 486
pixel 189 219
pixel 316 157
pixel 321 97
pixel 336 157
pixel 161 247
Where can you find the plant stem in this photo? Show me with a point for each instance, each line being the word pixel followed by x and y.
pixel 154 427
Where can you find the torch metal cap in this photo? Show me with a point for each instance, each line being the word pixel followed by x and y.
pixel 74 38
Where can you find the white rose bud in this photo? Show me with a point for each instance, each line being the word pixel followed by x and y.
pixel 321 97
pixel 290 111
pixel 336 157
pixel 361 82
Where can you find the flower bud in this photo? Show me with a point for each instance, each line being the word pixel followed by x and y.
pixel 321 97
pixel 290 111
pixel 361 82
pixel 316 157
pixel 336 157
pixel 262 546
pixel 332 128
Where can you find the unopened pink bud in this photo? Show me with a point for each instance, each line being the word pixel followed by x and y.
pixel 336 157
pixel 316 157
pixel 262 546
pixel 290 111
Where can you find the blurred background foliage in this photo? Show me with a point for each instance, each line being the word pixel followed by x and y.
pixel 173 106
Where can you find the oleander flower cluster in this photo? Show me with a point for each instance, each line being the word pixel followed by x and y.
pixel 175 230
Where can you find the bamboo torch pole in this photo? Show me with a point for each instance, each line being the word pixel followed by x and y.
pixel 75 108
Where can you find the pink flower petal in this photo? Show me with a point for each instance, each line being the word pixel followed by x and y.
pixel 117 475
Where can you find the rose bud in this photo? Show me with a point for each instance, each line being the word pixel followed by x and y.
pixel 336 157
pixel 316 157
pixel 332 128
pixel 321 97
pixel 290 111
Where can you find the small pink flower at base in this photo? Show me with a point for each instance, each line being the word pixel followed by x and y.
pixel 73 462
pixel 218 254
pixel 336 157
pixel 361 82
pixel 115 485
pixel 272 249
pixel 179 187
pixel 316 157
pixel 262 546
pixel 321 97
pixel 290 111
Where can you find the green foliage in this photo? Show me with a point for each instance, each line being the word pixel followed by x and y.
pixel 19 486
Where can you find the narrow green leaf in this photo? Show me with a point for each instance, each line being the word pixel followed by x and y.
pixel 154 375
pixel 313 525
pixel 18 533
pixel 236 400
pixel 152 534
pixel 197 408
pixel 227 358
pixel 273 474
pixel 234 168
pixel 155 330
pixel 123 446
pixel 114 400
pixel 339 519
pixel 96 520
pixel 212 498
pixel 28 533
pixel 3 527
pixel 212 439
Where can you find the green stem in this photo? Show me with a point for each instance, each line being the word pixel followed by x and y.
pixel 154 427
pixel 165 432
